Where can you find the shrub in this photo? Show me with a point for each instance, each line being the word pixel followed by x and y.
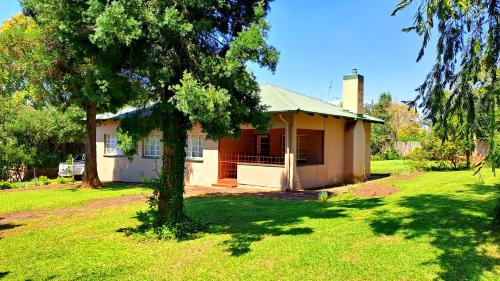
pixel 407 138
pixel 43 180
pixel 323 196
pixel 6 185
pixel 63 180
pixel 388 154
pixel 152 228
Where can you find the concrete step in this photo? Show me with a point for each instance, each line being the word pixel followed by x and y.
pixel 226 183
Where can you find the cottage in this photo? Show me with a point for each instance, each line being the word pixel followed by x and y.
pixel 311 143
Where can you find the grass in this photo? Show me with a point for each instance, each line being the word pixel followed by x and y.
pixel 61 197
pixel 436 227
pixel 393 167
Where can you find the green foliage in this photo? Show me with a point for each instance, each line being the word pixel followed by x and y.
pixel 207 106
pixel 69 159
pixel 63 180
pixel 26 63
pixel 5 185
pixel 323 196
pixel 382 138
pixel 35 137
pixel 153 227
pixel 407 138
pixel 199 76
pixel 401 124
pixel 113 22
pixel 388 154
pixel 442 217
pixel 448 154
pixel 494 155
pixel 461 91
pixel 43 180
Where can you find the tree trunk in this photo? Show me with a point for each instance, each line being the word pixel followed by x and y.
pixel 171 193
pixel 90 177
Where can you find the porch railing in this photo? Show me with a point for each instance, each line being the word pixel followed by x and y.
pixel 228 163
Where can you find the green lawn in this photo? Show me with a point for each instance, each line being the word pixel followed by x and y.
pixel 393 167
pixel 61 197
pixel 435 227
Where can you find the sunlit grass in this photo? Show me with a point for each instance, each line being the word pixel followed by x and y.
pixel 436 227
pixel 62 197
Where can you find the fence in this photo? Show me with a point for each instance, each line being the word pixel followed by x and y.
pixel 24 174
pixel 405 147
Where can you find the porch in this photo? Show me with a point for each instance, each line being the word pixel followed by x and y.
pixel 263 159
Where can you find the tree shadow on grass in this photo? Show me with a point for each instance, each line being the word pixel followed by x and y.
pixel 460 228
pixel 5 226
pixel 4 274
pixel 112 186
pixel 248 219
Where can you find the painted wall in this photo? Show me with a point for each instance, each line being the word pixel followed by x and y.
pixel 353 93
pixel 332 170
pixel 261 175
pixel 357 151
pixel 368 137
pixel 114 168
pixel 346 151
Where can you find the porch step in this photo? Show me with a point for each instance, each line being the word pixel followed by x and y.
pixel 232 183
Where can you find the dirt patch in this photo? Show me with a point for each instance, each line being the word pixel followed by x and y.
pixel 383 187
pixel 21 216
pixel 305 195
pixel 372 190
pixel 42 187
pixel 408 176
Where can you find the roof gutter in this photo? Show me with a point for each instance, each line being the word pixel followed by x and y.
pixel 323 114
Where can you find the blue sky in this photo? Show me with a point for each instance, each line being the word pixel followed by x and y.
pixel 320 41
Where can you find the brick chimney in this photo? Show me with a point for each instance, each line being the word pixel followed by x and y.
pixel 353 92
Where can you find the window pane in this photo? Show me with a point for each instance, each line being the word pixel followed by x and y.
pixel 194 146
pixel 152 146
pixel 111 145
pixel 310 146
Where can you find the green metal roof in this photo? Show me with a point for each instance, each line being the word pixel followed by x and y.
pixel 279 100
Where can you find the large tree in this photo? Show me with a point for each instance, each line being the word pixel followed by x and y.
pixel 467 63
pixel 32 133
pixel 91 75
pixel 190 59
pixel 468 47
pixel 35 137
pixel 27 61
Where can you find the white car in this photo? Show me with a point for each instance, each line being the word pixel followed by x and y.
pixel 75 169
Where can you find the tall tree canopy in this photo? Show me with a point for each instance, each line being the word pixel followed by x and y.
pixel 187 57
pixel 190 57
pixel 91 73
pixel 467 64
pixel 35 137
pixel 463 83
pixel 26 60
pixel 32 133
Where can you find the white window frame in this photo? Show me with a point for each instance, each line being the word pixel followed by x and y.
pixel 194 147
pixel 151 146
pixel 111 146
